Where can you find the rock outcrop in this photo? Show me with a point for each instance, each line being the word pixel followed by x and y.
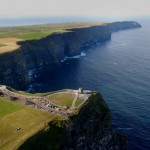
pixel 15 66
pixel 89 128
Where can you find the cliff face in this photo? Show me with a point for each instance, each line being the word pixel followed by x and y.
pixel 88 129
pixel 15 66
pixel 92 129
pixel 116 26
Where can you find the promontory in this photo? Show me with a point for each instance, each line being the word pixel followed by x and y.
pixel 25 48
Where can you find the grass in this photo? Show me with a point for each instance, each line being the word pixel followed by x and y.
pixel 78 102
pixel 2 45
pixel 62 99
pixel 39 35
pixel 51 137
pixel 26 93
pixel 7 107
pixel 12 116
pixel 34 94
pixel 40 31
pixel 35 32
pixel 30 94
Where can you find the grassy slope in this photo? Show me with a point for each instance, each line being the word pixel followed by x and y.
pixel 15 116
pixel 40 31
pixel 2 45
pixel 30 94
pixel 38 35
pixel 34 32
pixel 52 136
pixel 78 102
pixel 62 99
pixel 7 107
pixel 49 138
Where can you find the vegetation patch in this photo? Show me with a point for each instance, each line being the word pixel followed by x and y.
pixel 49 138
pixel 78 102
pixel 39 31
pixel 62 99
pixel 18 123
pixel 7 107
pixel 9 36
pixel 39 35
pixel 2 45
pixel 32 94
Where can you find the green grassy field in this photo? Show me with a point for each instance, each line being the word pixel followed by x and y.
pixel 78 102
pixel 10 36
pixel 38 35
pixel 62 99
pixel 38 94
pixel 7 107
pixel 40 31
pixel 2 45
pixel 12 116
pixel 51 137
pixel 30 94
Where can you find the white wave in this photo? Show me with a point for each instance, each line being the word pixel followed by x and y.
pixel 123 44
pixel 31 74
pixel 77 56
pixel 98 43
pixel 30 88
pixel 119 128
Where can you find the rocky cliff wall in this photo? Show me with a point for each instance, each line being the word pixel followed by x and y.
pixel 89 128
pixel 15 66
pixel 116 26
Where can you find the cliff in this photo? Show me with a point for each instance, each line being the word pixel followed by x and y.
pixel 88 128
pixel 15 66
pixel 116 26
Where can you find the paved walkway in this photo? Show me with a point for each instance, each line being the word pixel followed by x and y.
pixel 43 103
pixel 74 100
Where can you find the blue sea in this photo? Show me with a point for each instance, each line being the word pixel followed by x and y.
pixel 120 70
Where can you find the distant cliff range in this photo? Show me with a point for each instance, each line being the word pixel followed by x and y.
pixel 15 65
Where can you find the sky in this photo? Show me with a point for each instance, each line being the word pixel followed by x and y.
pixel 85 8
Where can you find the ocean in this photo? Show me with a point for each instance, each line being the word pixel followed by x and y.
pixel 120 70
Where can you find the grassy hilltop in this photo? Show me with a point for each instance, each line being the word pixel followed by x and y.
pixel 13 116
pixel 9 36
pixel 14 113
pixel 62 118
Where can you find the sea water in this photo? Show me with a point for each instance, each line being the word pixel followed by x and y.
pixel 120 70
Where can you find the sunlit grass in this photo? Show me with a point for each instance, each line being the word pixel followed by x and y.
pixel 79 102
pixel 62 99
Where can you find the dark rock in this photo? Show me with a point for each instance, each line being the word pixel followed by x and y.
pixel 15 66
